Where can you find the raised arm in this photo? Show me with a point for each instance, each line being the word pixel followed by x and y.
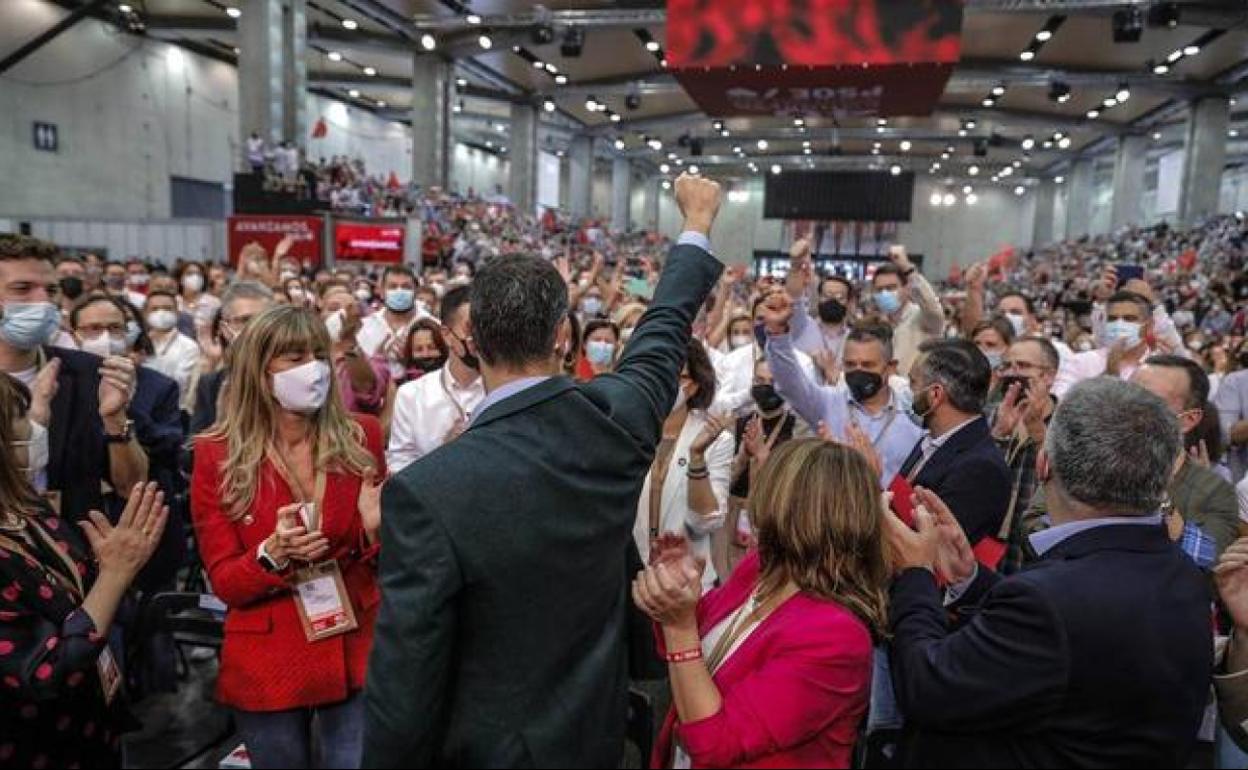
pixel 799 390
pixel 643 387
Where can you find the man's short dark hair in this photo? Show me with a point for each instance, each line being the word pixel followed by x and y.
pixel 1129 296
pixel 398 270
pixel 842 280
pixel 702 372
pixel 874 332
pixel 95 299
pixel 1027 301
pixel 961 368
pixel 14 247
pixel 1197 380
pixel 452 301
pixel 888 268
pixel 518 303
pixel 1051 355
pixel 151 295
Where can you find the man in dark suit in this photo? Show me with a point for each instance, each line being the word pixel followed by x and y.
pixel 1098 655
pixel 90 437
pixel 243 301
pixel 958 459
pixel 500 641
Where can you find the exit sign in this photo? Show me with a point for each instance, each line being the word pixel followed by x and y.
pixel 47 139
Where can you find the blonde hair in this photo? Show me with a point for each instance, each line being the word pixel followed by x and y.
pixel 247 418
pixel 18 498
pixel 817 510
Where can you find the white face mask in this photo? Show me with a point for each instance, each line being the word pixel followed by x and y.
pixel 162 320
pixel 104 346
pixel 1019 322
pixel 304 389
pixel 334 324
pixel 740 341
pixel 193 282
pixel 36 451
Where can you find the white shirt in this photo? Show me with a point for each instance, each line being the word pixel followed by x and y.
pixel 675 515
pixel 425 411
pixel 734 375
pixel 177 358
pixel 376 332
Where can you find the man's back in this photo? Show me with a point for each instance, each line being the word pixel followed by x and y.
pixel 501 635
pixel 1098 656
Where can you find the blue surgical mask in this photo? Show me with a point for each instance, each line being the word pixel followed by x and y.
pixel 888 301
pixel 400 300
pixel 591 306
pixel 27 325
pixel 600 353
pixel 1127 331
pixel 994 360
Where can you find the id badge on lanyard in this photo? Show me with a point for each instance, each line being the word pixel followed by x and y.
pixel 320 592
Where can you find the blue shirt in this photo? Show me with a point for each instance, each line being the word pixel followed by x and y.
pixel 891 431
pixel 1046 540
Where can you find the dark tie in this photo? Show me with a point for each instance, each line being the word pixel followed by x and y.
pixel 915 455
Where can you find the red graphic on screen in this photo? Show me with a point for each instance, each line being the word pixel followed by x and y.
pixel 838 58
pixel 268 231
pixel 369 242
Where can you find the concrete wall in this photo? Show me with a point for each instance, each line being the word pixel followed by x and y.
pixel 155 240
pixel 477 170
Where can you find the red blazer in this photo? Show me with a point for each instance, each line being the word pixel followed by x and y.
pixel 793 694
pixel 267 664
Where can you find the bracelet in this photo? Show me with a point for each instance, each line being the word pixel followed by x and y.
pixel 686 656
pixel 697 476
pixel 696 469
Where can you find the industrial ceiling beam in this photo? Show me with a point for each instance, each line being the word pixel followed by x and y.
pixel 562 18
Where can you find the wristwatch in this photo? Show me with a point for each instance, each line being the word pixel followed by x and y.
pixel 268 563
pixel 124 437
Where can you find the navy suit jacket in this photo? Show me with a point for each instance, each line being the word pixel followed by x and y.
pixel 501 636
pixel 77 454
pixel 970 475
pixel 1098 655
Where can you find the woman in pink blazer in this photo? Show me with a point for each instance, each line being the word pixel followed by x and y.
pixel 774 668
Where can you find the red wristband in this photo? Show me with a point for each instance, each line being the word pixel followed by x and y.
pixel 685 656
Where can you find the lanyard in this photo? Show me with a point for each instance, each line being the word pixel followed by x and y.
pixel 446 373
pixel 742 622
pixel 313 502
pixel 879 437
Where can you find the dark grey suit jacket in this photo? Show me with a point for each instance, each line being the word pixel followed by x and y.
pixel 501 635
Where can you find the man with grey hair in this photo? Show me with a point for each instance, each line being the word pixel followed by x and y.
pixel 241 302
pixel 1100 654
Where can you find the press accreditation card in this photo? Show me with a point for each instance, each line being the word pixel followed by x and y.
pixel 321 598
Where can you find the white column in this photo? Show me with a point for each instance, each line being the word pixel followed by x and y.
pixel 432 93
pixel 295 72
pixel 1204 159
pixel 523 156
pixel 581 175
pixel 621 186
pixel 1046 203
pixel 1079 198
pixel 1129 181
pixel 261 74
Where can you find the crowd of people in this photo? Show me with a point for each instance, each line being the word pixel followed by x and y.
pixel 462 514
pixel 338 183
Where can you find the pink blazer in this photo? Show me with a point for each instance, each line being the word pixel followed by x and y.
pixel 794 693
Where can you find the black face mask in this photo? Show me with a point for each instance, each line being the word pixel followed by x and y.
pixel 427 365
pixel 767 398
pixel 469 360
pixel 863 385
pixel 72 287
pixel 831 311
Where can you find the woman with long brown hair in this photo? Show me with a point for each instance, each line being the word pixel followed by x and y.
pixel 59 682
pixel 287 512
pixel 774 668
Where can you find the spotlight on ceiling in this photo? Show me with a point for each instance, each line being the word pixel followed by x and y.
pixel 632 101
pixel 1164 15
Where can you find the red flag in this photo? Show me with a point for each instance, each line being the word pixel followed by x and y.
pixel 320 129
pixel 393 181
pixel 1187 260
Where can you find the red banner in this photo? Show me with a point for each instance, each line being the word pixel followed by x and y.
pixel 268 231
pixel 834 58
pixel 369 242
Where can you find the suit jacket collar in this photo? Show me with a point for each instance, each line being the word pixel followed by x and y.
pixel 1134 538
pixel 525 399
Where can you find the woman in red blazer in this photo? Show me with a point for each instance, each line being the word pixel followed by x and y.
pixel 286 514
pixel 774 668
